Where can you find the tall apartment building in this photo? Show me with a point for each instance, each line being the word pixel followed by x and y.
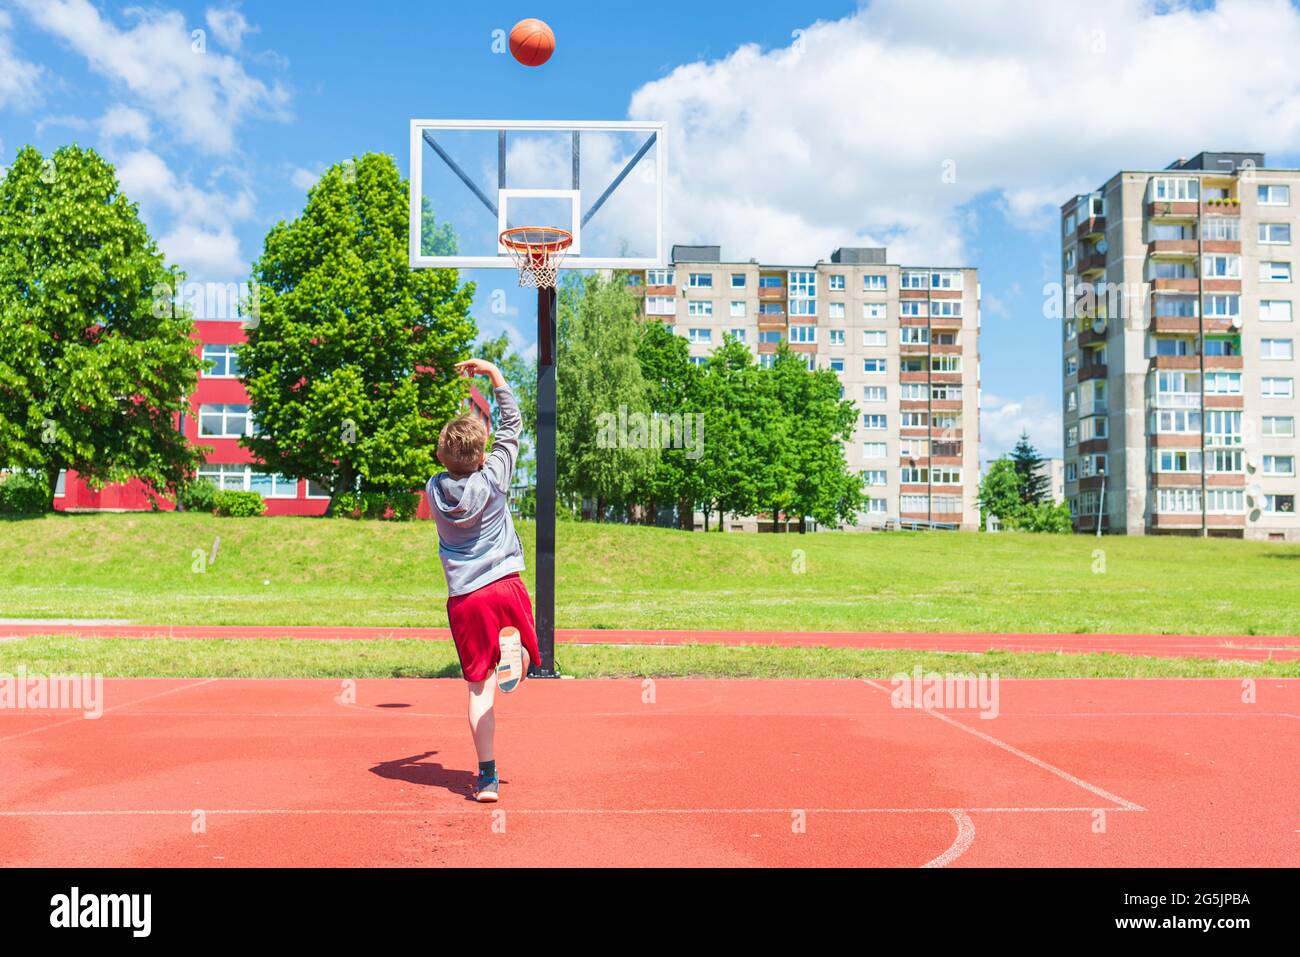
pixel 904 341
pixel 1179 400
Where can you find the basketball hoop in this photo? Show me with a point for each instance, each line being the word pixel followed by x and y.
pixel 538 251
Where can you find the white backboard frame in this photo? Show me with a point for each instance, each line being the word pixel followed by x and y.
pixel 503 260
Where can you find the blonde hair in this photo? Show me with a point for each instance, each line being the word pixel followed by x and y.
pixel 461 443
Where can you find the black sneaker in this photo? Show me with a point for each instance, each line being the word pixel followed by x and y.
pixel 486 788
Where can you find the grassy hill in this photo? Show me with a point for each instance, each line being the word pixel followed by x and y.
pixel 337 572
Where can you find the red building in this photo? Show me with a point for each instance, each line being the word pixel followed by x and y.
pixel 221 415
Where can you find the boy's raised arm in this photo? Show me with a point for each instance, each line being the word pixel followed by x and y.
pixel 500 464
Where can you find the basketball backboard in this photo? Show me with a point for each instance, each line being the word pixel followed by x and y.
pixel 601 181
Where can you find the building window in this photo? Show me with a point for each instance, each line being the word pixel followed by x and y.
pixel 945 363
pixel 836 365
pixel 1175 189
pixel 914 279
pixel 1275 349
pixel 659 277
pixel 873 282
pixel 737 280
pixel 1223 307
pixel 242 478
pixel 769 335
pixel 836 310
pixel 873 366
pixel 660 306
pixel 1275 234
pixel 913 307
pixel 1279 426
pixel 1275 310
pixel 945 279
pixel 770 282
pixel 1276 387
pixel 701 280
pixel 1279 503
pixel 1274 271
pixel 738 334
pixel 836 282
pixel 874 450
pixel 874 393
pixel 1279 465
pixel 701 361
pixel 803 334
pixel 700 335
pixel 875 423
pixel 224 361
pixel 875 477
pixel 874 338
pixel 1222 383
pixel 737 309
pixel 1071 365
pixel 1221 267
pixel 1072 436
pixel 914 420
pixel 224 421
pixel 837 337
pixel 700 307
pixel 1176 460
pixel 945 307
pixel 1274 195
pixel 873 310
pixel 1071 472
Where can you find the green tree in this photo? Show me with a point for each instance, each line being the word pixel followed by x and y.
pixel 1035 487
pixel 674 390
pixel 1000 495
pixel 521 373
pixel 602 407
pixel 350 362
pixel 95 359
pixel 1051 517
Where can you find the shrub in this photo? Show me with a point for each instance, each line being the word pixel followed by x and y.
pixel 22 493
pixel 239 504
pixel 199 495
pixel 379 506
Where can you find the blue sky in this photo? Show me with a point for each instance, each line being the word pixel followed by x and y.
pixel 796 127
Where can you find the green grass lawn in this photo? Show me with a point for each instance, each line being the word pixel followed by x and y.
pixel 409 658
pixel 304 571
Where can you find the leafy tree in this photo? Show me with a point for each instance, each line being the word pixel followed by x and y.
pixel 349 366
pixel 601 395
pixel 1035 487
pixel 95 360
pixel 674 392
pixel 436 239
pixel 1000 494
pixel 819 423
pixel 521 373
pixel 1052 517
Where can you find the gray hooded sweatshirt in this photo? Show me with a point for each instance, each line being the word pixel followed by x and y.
pixel 476 537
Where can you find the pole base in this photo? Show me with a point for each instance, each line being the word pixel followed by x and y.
pixel 536 671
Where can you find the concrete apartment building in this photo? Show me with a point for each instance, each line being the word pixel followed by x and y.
pixel 1179 398
pixel 904 341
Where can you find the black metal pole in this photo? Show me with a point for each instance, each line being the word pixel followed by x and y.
pixel 545 554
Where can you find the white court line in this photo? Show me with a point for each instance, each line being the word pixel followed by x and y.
pixel 611 812
pixel 1037 762
pixel 960 844
pixel 82 717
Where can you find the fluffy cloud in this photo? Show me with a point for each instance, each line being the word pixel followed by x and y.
pixel 18 78
pixel 123 122
pixel 303 178
pixel 879 127
pixel 199 95
pixel 1003 419
pixel 229 26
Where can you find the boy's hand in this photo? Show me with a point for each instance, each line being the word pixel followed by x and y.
pixel 472 367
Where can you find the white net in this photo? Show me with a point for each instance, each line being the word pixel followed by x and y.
pixel 538 251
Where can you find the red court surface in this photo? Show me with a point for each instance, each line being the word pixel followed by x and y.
pixel 1230 647
pixel 224 772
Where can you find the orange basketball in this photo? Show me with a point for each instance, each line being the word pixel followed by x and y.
pixel 532 42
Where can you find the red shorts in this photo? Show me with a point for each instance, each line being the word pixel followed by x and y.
pixel 477 618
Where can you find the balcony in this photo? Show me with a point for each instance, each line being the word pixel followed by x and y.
pixel 661 291
pixel 1092 263
pixel 1176 362
pixel 1092 226
pixel 1175 248
pixel 1223 362
pixel 1222 206
pixel 1222 285
pixel 771 292
pixel 1177 284
pixel 945 322
pixel 1087 337
pixel 1096 370
pixel 1192 520
pixel 1175 324
pixel 772 318
pixel 1173 209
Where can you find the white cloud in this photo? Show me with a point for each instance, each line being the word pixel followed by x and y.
pixel 123 122
pixel 201 239
pixel 1003 419
pixel 229 26
pixel 303 179
pixel 18 78
pixel 199 95
pixel 845 136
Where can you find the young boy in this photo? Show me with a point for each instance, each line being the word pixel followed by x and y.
pixel 488 608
